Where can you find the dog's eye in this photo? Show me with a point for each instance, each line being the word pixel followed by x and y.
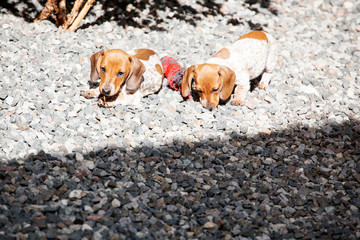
pixel 120 74
pixel 215 90
pixel 102 69
pixel 196 90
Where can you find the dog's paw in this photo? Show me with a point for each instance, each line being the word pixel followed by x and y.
pixel 237 102
pixel 262 85
pixel 87 94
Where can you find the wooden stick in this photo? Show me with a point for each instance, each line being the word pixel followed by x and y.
pixel 62 12
pixel 81 15
pixel 73 14
pixel 47 10
pixel 104 100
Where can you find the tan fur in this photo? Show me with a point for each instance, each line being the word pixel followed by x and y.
pixel 185 85
pixel 113 61
pixel 159 69
pixel 223 53
pixel 212 83
pixel 227 77
pixel 232 68
pixel 94 74
pixel 134 80
pixel 125 77
pixel 143 53
pixel 259 35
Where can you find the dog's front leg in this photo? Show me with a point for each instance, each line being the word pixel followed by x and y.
pixel 265 80
pixel 112 101
pixel 92 93
pixel 241 89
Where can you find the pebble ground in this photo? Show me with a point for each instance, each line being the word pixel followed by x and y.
pixel 284 166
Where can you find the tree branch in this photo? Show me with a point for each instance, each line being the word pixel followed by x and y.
pixel 81 15
pixel 74 13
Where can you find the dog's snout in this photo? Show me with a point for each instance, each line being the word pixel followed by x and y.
pixel 106 91
pixel 209 107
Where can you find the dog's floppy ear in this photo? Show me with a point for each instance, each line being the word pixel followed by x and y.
pixel 95 65
pixel 135 76
pixel 227 77
pixel 186 82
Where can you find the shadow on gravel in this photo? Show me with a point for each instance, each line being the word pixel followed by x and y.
pixel 263 4
pixel 25 8
pixel 297 183
pixel 131 13
pixel 142 13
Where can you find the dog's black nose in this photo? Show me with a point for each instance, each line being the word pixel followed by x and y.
pixel 105 91
pixel 209 107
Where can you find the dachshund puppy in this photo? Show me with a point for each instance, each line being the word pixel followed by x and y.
pixel 124 77
pixel 250 56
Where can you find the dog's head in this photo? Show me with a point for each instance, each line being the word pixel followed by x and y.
pixel 211 82
pixel 115 68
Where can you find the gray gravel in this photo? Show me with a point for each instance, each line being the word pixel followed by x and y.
pixel 285 165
